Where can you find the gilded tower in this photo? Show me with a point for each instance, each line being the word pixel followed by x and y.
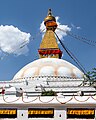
pixel 49 47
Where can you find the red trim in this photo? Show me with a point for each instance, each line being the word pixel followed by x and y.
pixel 51 24
pixel 50 51
pixel 3 91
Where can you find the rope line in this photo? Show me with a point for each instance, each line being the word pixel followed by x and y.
pixel 80 38
pixel 71 55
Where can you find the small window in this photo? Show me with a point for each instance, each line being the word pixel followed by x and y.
pixel 80 113
pixel 40 113
pixel 8 113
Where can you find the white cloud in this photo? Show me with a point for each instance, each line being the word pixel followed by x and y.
pixel 77 27
pixel 12 40
pixel 42 27
pixel 61 30
pixel 64 29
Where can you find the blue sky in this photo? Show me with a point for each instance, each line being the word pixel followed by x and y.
pixel 27 15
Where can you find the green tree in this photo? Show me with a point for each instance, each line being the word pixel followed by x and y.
pixel 48 93
pixel 92 74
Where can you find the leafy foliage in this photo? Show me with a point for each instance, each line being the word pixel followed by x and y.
pixel 48 93
pixel 92 74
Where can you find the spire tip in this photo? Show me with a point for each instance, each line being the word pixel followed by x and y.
pixel 49 12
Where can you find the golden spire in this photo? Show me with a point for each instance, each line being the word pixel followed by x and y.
pixel 50 21
pixel 49 46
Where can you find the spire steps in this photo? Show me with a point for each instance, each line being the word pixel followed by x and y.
pixel 49 46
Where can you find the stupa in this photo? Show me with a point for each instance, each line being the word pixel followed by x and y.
pixel 48 88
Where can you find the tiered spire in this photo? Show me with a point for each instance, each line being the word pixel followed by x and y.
pixel 49 46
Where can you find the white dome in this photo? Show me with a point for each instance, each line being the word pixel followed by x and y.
pixel 49 67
